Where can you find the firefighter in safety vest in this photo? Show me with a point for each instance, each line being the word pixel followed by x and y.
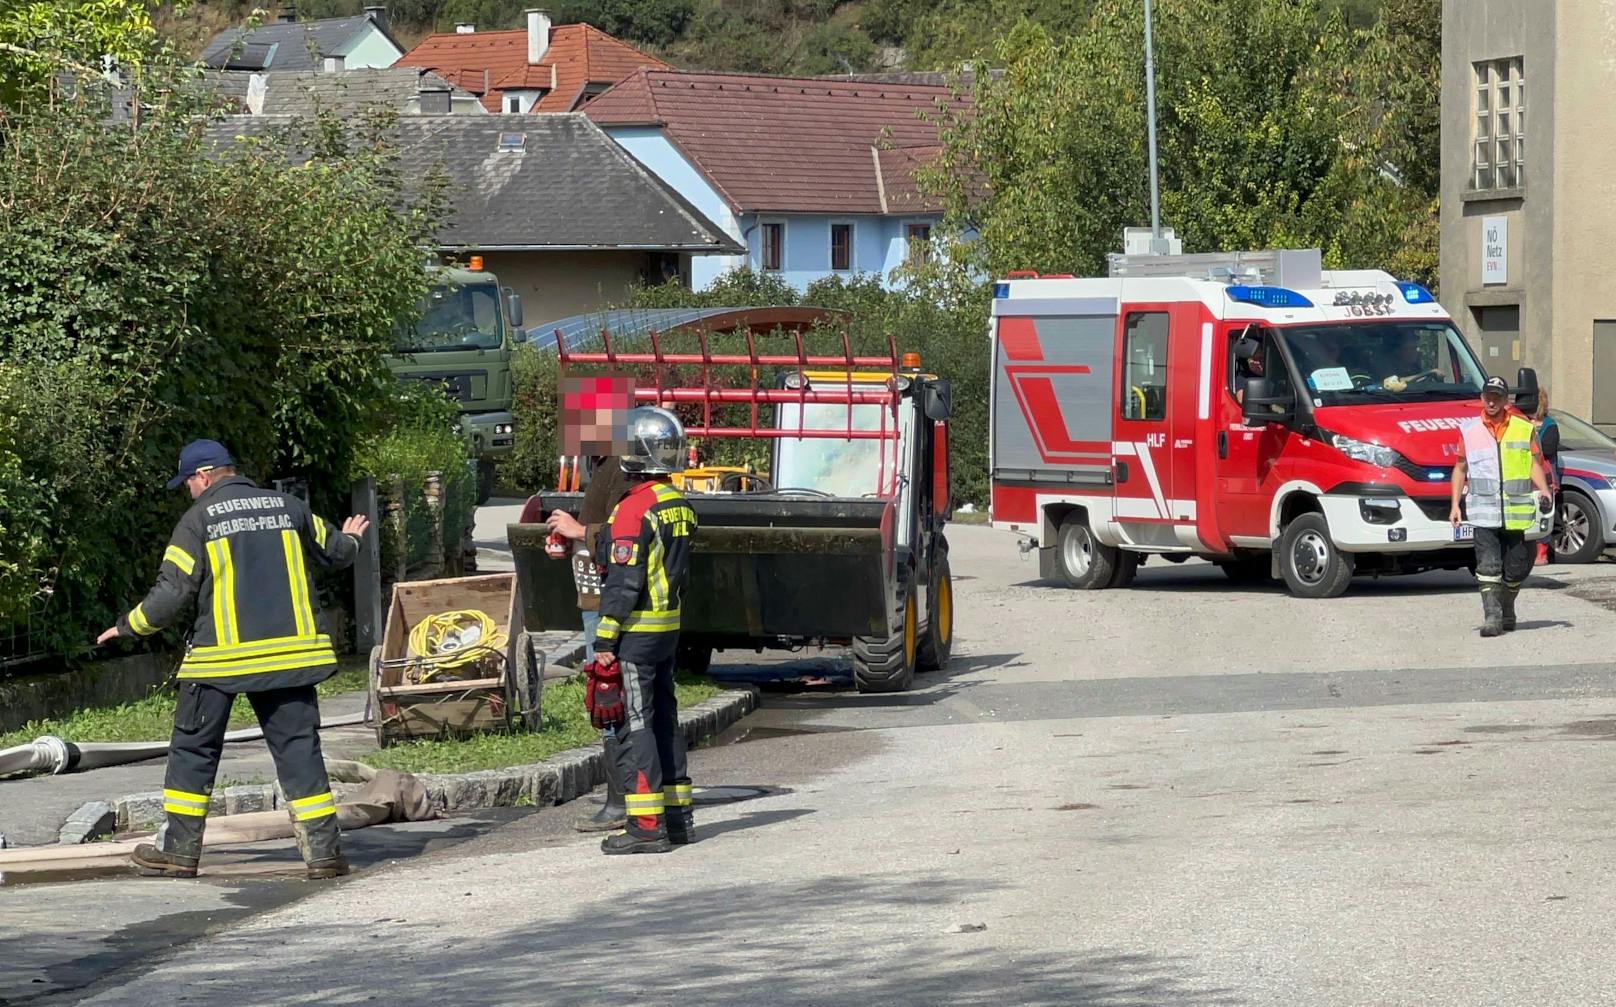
pixel 646 548
pixel 240 552
pixel 1499 467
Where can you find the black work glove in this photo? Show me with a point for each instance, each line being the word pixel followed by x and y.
pixel 1545 504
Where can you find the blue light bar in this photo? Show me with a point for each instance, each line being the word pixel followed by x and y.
pixel 1001 290
pixel 1269 297
pixel 1413 293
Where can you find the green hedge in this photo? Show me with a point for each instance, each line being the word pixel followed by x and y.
pixel 155 288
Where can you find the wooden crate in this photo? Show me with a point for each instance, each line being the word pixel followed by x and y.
pixel 436 709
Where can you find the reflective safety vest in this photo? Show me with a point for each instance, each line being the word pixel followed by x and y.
pixel 239 551
pixel 646 548
pixel 1498 475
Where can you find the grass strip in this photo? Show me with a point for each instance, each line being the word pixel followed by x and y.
pixel 152 718
pixel 565 725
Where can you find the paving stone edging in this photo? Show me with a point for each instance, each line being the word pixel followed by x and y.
pixel 560 778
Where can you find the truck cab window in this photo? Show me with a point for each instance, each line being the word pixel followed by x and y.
pixel 1144 377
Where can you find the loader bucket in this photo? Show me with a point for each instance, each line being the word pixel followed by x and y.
pixel 762 566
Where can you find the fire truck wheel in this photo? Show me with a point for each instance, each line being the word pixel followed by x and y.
pixel 937 642
pixel 1312 565
pixel 1126 569
pixel 1085 563
pixel 889 665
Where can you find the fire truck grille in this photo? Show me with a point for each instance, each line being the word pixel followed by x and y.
pixel 1435 508
pixel 1425 473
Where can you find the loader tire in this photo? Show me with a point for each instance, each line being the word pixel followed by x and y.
pixel 937 641
pixel 694 658
pixel 888 665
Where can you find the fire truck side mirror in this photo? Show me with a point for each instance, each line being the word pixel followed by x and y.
pixel 1261 406
pixel 1526 390
pixel 939 400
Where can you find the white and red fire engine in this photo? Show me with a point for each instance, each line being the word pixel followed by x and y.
pixel 1249 407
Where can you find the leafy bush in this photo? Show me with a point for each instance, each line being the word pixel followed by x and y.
pixel 155 288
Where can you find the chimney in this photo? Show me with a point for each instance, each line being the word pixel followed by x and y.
pixel 288 13
pixel 333 64
pixel 538 35
pixel 465 28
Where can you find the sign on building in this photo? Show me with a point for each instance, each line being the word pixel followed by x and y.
pixel 1494 250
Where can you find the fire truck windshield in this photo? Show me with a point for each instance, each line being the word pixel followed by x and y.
pixel 1352 363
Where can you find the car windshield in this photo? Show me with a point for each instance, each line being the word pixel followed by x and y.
pixel 1394 361
pixel 1578 435
pixel 454 318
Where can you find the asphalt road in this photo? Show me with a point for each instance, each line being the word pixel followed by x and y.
pixel 1181 794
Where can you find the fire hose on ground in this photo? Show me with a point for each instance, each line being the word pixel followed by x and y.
pixel 56 755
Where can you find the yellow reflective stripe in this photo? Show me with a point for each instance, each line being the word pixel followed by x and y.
pixel 224 591
pixel 181 802
pixel 312 813
pixel 228 669
pixel 643 804
pixel 317 806
pixel 304 802
pixel 678 795
pixel 139 623
pixel 297 580
pixel 321 531
pixel 657 582
pixel 181 559
pixel 258 648
pixel 650 622
pixel 606 629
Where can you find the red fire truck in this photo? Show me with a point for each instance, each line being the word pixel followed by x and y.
pixel 1250 408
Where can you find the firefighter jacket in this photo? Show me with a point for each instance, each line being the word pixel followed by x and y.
pixel 646 545
pixel 1498 475
pixel 240 552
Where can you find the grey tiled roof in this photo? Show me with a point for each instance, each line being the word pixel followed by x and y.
pixel 349 91
pixel 559 184
pixel 300 45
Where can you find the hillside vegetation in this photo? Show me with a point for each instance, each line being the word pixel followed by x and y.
pixel 760 36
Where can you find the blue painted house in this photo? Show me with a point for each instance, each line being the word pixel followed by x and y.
pixel 814 176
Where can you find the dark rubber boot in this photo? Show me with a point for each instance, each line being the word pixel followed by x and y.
pixel 154 863
pixel 1509 608
pixel 681 826
pixel 330 867
pixel 627 842
pixel 1492 610
pixel 613 814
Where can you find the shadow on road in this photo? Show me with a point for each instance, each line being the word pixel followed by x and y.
pixel 835 940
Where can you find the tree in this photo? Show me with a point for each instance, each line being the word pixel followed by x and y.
pixel 1273 132
pixel 39 40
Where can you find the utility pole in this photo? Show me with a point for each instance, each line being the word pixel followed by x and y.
pixel 1157 243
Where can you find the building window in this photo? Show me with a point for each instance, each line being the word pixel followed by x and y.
pixel 1145 367
pixel 919 236
pixel 513 103
pixel 1500 125
pixel 841 246
pixel 774 247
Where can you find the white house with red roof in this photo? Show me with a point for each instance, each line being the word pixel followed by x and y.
pixel 542 67
pixel 815 176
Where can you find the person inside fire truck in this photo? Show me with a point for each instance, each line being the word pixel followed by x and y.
pixel 1402 355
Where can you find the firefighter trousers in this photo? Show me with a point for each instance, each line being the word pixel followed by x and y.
pixel 651 763
pixel 1502 557
pixel 291 722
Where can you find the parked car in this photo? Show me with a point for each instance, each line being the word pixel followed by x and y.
pixel 1587 461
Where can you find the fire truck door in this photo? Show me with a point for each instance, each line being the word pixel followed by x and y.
pixel 1142 444
pixel 1246 452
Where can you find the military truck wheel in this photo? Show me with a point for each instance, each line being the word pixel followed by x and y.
pixel 694 658
pixel 937 642
pixel 1084 563
pixel 888 665
pixel 485 481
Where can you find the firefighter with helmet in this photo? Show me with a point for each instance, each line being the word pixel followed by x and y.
pixel 645 546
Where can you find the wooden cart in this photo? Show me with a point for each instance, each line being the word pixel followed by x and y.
pixel 411 697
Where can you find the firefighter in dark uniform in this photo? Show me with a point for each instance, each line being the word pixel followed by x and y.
pixel 646 547
pixel 241 551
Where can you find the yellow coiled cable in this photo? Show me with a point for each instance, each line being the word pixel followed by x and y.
pixel 436 639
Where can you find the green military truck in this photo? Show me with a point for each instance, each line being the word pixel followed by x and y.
pixel 468 329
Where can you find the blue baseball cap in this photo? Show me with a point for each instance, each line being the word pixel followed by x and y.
pixel 199 456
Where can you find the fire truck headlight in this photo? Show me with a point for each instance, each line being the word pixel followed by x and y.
pixel 1363 451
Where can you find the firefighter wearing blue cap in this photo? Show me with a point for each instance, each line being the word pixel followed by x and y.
pixel 242 553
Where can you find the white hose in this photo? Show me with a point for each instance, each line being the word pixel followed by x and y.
pixel 58 756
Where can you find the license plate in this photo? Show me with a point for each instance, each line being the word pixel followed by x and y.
pixel 1464 533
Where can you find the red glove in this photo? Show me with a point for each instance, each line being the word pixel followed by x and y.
pixel 603 695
